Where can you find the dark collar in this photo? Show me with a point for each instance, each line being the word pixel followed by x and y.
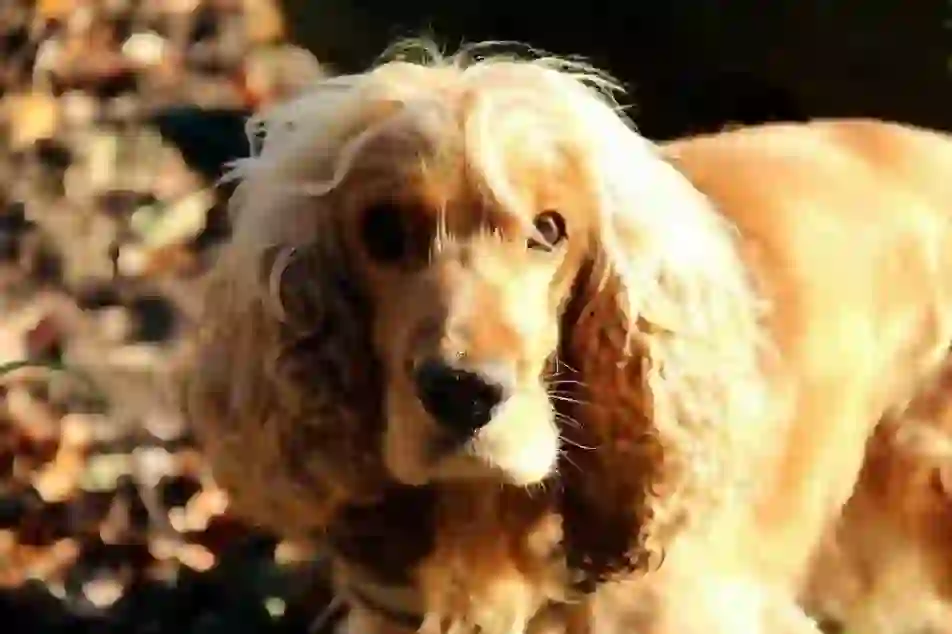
pixel 409 620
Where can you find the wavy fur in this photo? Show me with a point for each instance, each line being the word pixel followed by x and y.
pixel 678 348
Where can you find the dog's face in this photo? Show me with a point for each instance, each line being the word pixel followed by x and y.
pixel 467 271
pixel 418 249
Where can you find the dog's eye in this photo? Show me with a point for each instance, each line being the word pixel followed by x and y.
pixel 550 227
pixel 384 233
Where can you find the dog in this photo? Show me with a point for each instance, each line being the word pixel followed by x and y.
pixel 518 369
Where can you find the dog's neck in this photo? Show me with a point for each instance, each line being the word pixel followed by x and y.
pixel 454 552
pixel 388 539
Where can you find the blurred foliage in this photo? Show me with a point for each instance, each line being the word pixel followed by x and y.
pixel 115 120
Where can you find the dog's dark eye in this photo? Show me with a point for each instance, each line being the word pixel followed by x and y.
pixel 384 233
pixel 550 227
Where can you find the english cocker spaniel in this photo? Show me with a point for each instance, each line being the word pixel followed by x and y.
pixel 519 369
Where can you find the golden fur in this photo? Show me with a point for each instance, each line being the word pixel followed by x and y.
pixel 695 371
pixel 887 565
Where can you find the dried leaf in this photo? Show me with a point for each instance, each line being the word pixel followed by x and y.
pixel 102 592
pixel 61 479
pixel 33 117
pixel 195 557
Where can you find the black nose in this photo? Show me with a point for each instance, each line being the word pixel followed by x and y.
pixel 459 400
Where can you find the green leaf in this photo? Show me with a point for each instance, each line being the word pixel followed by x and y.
pixel 86 380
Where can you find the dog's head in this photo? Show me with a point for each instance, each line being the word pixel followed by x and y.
pixel 422 246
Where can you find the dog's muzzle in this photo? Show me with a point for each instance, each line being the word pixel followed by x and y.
pixel 460 401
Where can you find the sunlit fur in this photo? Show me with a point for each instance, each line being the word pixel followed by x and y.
pixel 695 371
pixel 887 566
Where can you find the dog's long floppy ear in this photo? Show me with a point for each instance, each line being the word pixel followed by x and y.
pixel 663 337
pixel 283 391
pixel 282 395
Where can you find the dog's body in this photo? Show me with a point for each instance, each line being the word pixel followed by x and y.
pixel 846 226
pixel 735 316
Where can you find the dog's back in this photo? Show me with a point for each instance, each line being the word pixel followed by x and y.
pixel 886 567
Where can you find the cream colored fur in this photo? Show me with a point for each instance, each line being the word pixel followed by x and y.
pixel 747 308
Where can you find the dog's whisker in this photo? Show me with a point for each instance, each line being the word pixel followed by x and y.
pixel 566 399
pixel 560 361
pixel 565 456
pixel 565 418
pixel 567 421
pixel 552 381
pixel 576 444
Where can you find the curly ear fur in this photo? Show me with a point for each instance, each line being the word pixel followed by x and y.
pixel 288 420
pixel 665 340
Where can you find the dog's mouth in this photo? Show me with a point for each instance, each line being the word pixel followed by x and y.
pixel 479 459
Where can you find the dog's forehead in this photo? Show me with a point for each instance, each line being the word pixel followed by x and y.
pixel 459 196
pixel 443 172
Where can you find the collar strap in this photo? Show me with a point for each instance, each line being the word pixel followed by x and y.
pixel 401 603
pixel 400 616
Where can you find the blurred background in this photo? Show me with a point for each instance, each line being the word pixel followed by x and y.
pixel 115 119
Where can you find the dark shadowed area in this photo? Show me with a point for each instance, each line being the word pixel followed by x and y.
pixel 692 64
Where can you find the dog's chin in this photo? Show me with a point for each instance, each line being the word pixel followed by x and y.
pixel 524 467
pixel 520 447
